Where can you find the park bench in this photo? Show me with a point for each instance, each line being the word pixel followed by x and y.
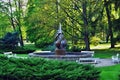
pixel 115 58
pixel 8 54
pixel 88 52
pixel 88 60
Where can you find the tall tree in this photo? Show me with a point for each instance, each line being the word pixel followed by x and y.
pixel 86 33
pixel 4 19
pixel 85 15
pixel 11 14
pixel 14 11
pixel 108 12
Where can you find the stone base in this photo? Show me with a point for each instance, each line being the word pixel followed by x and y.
pixel 60 52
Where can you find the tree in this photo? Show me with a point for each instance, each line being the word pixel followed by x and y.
pixel 14 11
pixel 4 20
pixel 116 20
pixel 70 15
pixel 86 33
pixel 41 21
pixel 110 32
pixel 85 17
pixel 111 8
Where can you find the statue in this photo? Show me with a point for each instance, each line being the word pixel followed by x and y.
pixel 60 42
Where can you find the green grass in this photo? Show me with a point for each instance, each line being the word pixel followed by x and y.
pixel 22 55
pixel 110 72
pixel 105 53
pixel 104 50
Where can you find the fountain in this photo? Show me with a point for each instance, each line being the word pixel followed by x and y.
pixel 60 52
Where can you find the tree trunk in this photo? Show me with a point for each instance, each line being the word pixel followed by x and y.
pixel 20 34
pixel 109 24
pixel 86 33
pixel 19 24
pixel 11 16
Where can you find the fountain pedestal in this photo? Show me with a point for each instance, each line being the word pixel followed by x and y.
pixel 60 52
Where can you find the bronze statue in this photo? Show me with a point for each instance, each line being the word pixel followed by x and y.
pixel 60 42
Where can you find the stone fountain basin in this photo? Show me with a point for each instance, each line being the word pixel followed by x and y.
pixel 72 56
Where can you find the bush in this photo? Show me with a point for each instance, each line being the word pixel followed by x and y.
pixel 95 40
pixel 41 69
pixel 42 43
pixel 76 49
pixel 18 50
pixel 9 41
pixel 49 48
pixel 23 51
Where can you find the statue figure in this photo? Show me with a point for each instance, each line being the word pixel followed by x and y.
pixel 60 42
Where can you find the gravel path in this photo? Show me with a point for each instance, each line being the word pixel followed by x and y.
pixel 104 62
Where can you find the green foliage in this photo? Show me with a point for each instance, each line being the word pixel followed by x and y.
pixel 40 69
pixel 41 43
pixel 9 41
pixel 18 50
pixel 41 25
pixel 4 24
pixel 95 40
pixel 117 39
pixel 76 49
pixel 49 48
pixel 23 51
pixel 41 28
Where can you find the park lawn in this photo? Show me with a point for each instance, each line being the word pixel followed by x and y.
pixel 104 50
pixel 106 53
pixel 110 72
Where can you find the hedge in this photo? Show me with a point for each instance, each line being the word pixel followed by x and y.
pixel 18 50
pixel 41 69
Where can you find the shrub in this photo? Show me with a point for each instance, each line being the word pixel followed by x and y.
pixel 42 43
pixel 49 48
pixel 41 69
pixel 95 40
pixel 23 51
pixel 18 50
pixel 9 41
pixel 76 49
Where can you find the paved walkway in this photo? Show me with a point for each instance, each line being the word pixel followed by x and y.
pixel 104 62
